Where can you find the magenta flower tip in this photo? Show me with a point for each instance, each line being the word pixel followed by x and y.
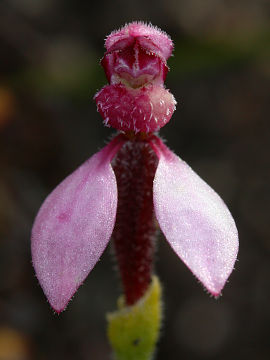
pixel 135 66
pixel 154 39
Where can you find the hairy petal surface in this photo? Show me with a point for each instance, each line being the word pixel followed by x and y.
pixel 195 220
pixel 74 225
pixel 150 37
pixel 145 109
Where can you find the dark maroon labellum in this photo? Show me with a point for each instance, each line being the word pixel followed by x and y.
pixel 134 231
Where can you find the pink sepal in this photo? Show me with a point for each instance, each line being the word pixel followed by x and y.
pixel 74 225
pixel 194 220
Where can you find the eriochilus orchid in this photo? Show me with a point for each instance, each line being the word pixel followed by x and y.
pixel 123 189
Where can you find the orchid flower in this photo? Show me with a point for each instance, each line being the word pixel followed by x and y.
pixel 133 181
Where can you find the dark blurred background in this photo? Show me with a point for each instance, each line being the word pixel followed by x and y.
pixel 49 73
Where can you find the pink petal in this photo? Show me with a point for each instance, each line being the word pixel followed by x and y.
pixel 74 226
pixel 134 65
pixel 150 37
pixel 194 219
pixel 146 109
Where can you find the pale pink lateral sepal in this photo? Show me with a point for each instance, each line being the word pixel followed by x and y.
pixel 194 219
pixel 74 225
